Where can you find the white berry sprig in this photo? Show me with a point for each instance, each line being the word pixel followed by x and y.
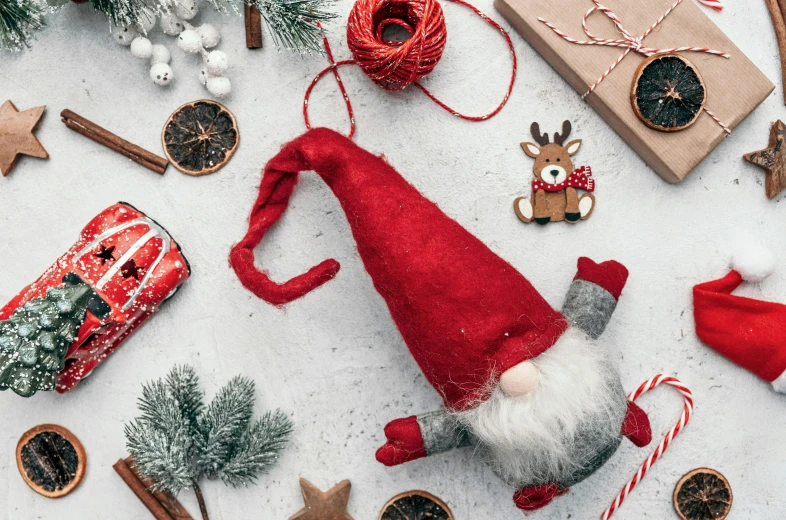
pixel 190 39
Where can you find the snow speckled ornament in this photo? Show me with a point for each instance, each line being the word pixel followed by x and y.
pixel 190 41
pixel 209 34
pixel 125 35
pixel 141 48
pixel 219 86
pixel 160 54
pixel 161 74
pixel 186 9
pixel 195 40
pixel 171 24
pixel 217 63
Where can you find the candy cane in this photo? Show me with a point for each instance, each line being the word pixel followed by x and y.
pixel 684 418
pixel 712 4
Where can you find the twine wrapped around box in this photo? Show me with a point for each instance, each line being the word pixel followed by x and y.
pixel 633 43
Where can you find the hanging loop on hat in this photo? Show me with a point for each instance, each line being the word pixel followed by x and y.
pixel 278 180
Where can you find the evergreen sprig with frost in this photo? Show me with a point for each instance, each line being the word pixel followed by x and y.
pixel 177 441
pixel 18 20
pixel 293 24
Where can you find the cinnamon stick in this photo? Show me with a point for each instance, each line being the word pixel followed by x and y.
pixel 777 10
pixel 253 27
pixel 103 136
pixel 161 504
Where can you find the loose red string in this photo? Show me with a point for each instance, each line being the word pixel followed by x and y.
pixel 394 65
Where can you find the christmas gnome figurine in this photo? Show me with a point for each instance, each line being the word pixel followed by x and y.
pixel 526 385
pixel 750 333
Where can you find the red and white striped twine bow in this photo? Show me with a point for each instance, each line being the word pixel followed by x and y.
pixel 633 43
pixel 684 418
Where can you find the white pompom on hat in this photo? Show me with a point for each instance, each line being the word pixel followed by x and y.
pixel 754 262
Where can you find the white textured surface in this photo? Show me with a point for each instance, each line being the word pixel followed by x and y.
pixel 334 359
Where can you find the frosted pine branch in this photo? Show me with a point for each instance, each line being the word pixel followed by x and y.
pixel 177 440
pixel 18 20
pixel 258 451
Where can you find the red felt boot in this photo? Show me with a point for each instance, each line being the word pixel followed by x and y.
pixel 536 497
pixel 404 442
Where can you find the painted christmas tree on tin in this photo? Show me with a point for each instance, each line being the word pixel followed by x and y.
pixel 34 341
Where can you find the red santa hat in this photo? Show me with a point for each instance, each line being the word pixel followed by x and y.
pixel 751 333
pixel 465 313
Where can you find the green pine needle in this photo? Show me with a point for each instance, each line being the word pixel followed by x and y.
pixel 258 450
pixel 293 24
pixel 122 13
pixel 18 20
pixel 177 440
pixel 224 423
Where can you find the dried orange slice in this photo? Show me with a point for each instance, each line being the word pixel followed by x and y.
pixel 51 460
pixel 668 93
pixel 415 505
pixel 200 137
pixel 702 494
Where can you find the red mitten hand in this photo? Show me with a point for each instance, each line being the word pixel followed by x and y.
pixel 405 442
pixel 636 426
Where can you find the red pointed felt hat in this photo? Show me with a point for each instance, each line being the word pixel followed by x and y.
pixel 749 332
pixel 465 313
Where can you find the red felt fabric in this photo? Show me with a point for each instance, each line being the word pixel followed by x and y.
pixel 535 497
pixel 611 275
pixel 751 333
pixel 636 426
pixel 465 313
pixel 404 442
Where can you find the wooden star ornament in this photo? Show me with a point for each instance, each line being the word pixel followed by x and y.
pixel 330 505
pixel 16 135
pixel 772 159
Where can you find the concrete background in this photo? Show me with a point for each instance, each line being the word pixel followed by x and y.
pixel 334 359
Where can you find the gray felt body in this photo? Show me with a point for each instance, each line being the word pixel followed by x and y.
pixel 589 307
pixel 441 432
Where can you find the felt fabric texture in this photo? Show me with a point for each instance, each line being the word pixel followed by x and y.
pixel 748 332
pixel 636 426
pixel 611 275
pixel 465 313
pixel 536 497
pixel 589 307
pixel 441 432
pixel 581 178
pixel 404 442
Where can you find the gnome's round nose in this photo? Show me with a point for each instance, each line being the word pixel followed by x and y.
pixel 519 380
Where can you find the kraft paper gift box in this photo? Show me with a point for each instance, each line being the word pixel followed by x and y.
pixel 735 86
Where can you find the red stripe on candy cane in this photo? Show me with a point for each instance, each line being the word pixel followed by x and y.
pixel 712 4
pixel 687 410
pixel 633 43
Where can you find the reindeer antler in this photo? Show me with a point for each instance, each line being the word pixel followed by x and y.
pixel 560 138
pixel 541 139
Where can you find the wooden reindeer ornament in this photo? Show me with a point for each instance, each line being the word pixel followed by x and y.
pixel 554 195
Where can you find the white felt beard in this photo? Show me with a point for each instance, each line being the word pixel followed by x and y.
pixel 548 435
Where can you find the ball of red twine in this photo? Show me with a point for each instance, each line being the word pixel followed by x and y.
pixel 392 64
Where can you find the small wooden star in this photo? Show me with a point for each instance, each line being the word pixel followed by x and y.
pixel 772 160
pixel 16 135
pixel 331 505
pixel 130 269
pixel 105 253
